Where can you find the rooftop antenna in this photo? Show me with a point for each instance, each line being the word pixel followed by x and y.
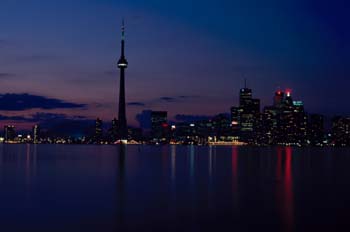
pixel 245 81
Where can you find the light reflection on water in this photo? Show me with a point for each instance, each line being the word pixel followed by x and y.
pixel 172 188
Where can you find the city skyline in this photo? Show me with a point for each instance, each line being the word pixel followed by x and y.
pixel 205 61
pixel 200 115
pixel 285 122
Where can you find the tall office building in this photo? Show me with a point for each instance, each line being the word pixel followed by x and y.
pixel 235 120
pixel 255 106
pixel 278 98
pixel 245 97
pixel 249 111
pixel 245 103
pixel 98 130
pixel 122 65
pixel 113 131
pixel 36 134
pixel 272 118
pixel 287 124
pixel 10 133
pixel 300 123
pixel 270 126
pixel 316 129
pixel 159 124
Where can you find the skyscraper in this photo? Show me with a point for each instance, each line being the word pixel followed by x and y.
pixel 278 98
pixel 245 97
pixel 98 131
pixel 36 133
pixel 249 111
pixel 113 131
pixel 316 129
pixel 122 65
pixel 236 119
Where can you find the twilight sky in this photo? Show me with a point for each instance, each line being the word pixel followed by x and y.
pixel 58 57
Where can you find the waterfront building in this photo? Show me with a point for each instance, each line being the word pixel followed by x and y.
pixel 316 129
pixel 159 125
pixel 10 133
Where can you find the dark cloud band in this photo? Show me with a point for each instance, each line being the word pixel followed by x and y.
pixel 25 101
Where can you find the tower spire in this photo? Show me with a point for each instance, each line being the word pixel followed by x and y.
pixel 123 40
pixel 123 29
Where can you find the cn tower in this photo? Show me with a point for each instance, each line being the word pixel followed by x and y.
pixel 122 65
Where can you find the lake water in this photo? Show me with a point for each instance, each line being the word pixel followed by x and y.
pixel 173 188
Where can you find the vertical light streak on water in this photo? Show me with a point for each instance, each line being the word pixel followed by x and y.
pixel 210 175
pixel 173 163
pixel 288 190
pixel 192 164
pixel 173 178
pixel 234 164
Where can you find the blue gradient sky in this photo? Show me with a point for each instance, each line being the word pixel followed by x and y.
pixel 187 57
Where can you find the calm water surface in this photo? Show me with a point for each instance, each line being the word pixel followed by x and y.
pixel 173 188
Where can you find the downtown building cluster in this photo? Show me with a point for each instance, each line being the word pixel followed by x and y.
pixel 284 122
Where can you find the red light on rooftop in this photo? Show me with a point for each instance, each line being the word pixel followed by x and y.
pixel 288 92
pixel 165 125
pixel 279 92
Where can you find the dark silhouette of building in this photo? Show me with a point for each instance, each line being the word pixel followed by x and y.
pixel 278 98
pixel 341 131
pixel 221 125
pixel 122 65
pixel 98 131
pixel 113 131
pixel 316 129
pixel 159 124
pixel 135 134
pixel 235 120
pixel 10 133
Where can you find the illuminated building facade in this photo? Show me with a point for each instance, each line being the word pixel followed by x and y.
pixel 244 118
pixel 36 134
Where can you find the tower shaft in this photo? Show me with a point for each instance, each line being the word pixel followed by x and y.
pixel 122 65
pixel 123 131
